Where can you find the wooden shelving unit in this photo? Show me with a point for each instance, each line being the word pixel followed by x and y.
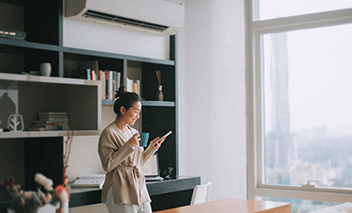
pixel 43 24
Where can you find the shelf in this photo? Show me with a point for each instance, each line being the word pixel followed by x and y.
pixel 158 103
pixel 27 44
pixel 28 95
pixel 145 103
pixel 42 79
pixel 40 134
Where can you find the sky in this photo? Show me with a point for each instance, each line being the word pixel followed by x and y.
pixel 320 69
pixel 282 8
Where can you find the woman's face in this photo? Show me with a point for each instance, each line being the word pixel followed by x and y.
pixel 132 114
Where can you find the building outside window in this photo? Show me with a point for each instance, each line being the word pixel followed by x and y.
pixel 299 98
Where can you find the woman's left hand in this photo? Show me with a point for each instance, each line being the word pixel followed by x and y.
pixel 156 144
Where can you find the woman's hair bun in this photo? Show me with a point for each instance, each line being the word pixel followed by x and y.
pixel 125 99
pixel 122 90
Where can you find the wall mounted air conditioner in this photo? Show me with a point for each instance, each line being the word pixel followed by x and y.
pixel 164 17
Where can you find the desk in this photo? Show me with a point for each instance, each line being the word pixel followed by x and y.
pixel 233 206
pixel 161 192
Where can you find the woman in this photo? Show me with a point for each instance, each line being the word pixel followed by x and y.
pixel 124 189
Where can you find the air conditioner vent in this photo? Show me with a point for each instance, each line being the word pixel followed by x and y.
pixel 124 21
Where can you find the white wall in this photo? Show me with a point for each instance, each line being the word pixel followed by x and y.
pixel 211 86
pixel 89 35
pixel 212 96
pixel 84 157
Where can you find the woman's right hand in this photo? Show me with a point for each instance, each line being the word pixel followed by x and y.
pixel 134 140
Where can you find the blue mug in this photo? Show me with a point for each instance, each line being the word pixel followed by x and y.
pixel 144 139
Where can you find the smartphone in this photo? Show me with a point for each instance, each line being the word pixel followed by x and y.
pixel 167 134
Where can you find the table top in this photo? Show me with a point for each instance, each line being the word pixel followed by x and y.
pixel 233 205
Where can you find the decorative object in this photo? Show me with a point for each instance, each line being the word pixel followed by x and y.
pixel 45 69
pixel 31 201
pixel 167 173
pixel 31 73
pixel 160 96
pixel 7 107
pixel 34 73
pixel 15 121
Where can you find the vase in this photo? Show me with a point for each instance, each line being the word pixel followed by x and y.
pixel 160 95
pixel 45 69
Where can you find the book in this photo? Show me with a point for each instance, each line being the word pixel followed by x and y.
pixel 56 121
pixel 89 181
pixel 118 80
pixel 53 119
pixel 53 113
pixel 129 86
pixel 116 83
pixel 106 92
pixel 13 34
pixel 47 116
pixel 102 82
pixel 53 126
pixel 88 74
pixel 110 87
pixel 48 125
pixel 137 87
pixel 49 128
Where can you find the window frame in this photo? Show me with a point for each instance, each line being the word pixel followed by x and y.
pixel 254 92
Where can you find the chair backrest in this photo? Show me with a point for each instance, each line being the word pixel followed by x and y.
pixel 201 193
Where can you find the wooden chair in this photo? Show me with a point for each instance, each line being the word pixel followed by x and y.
pixel 344 207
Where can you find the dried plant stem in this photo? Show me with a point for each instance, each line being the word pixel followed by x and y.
pixel 68 144
pixel 158 75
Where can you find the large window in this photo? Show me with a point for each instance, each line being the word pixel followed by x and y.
pixel 299 92
pixel 270 9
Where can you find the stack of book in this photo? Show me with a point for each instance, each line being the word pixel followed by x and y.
pixel 110 83
pixel 50 121
pixel 12 34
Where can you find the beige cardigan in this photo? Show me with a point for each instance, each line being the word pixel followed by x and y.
pixel 123 166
